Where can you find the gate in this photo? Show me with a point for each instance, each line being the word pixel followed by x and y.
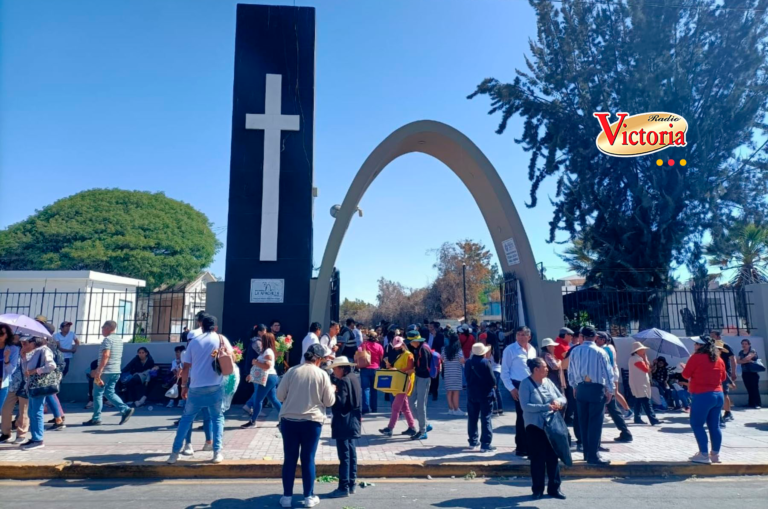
pixel 335 295
pixel 509 304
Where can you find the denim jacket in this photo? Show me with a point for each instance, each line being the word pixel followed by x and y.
pixel 12 365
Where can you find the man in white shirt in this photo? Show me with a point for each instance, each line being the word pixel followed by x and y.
pixel 202 387
pixel 199 331
pixel 329 340
pixel 514 369
pixel 68 344
pixel 312 337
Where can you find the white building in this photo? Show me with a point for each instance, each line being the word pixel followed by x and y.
pixel 83 297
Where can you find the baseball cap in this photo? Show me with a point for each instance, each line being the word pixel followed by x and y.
pixel 317 350
pixel 64 324
pixel 564 331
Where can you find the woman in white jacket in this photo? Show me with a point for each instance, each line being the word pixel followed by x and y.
pixel 640 383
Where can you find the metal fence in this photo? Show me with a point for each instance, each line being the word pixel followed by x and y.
pixel 509 303
pixel 335 295
pixel 140 315
pixel 683 312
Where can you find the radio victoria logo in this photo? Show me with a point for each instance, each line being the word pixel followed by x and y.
pixel 641 134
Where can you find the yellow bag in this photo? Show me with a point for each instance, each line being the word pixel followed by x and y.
pixel 391 381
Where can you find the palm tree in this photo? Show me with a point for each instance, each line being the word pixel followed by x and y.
pixel 746 250
pixel 580 257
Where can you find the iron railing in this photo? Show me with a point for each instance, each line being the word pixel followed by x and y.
pixel 335 295
pixel 140 315
pixel 684 312
pixel 509 304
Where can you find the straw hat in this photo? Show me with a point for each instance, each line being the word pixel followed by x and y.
pixel 547 342
pixel 480 349
pixel 340 362
pixel 720 344
pixel 637 346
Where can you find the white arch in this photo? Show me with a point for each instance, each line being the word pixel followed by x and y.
pixel 443 142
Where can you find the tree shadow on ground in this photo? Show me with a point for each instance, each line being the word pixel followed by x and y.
pixel 761 426
pixel 97 485
pixel 487 503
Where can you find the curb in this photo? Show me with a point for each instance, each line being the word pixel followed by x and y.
pixel 370 469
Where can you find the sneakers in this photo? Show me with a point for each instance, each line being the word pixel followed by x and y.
pixel 488 448
pixel 429 426
pixel 701 458
pixel 170 404
pixel 58 426
pixel 248 410
pixel 33 444
pixel 623 437
pixel 89 405
pixel 409 432
pixel 451 412
pixel 386 432
pixel 338 493
pixel 126 416
pixel 286 502
pixel 714 457
pixel 311 501
pixel 188 450
pixel 4 438
pixel 20 440
pixel 92 422
pixel 249 424
pixel 420 436
pixel 141 401
pixel 722 424
pixel 727 417
pixel 173 458
pixel 217 457
pixel 629 414
pixel 207 447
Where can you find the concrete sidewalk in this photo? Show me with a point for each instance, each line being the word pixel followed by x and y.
pixel 142 445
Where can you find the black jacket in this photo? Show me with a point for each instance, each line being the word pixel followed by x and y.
pixel 480 378
pixel 347 411
pixel 135 366
pixel 438 343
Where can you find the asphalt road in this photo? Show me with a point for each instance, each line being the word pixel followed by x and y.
pixel 723 492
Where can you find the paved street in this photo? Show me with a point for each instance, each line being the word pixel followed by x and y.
pixel 147 437
pixel 720 493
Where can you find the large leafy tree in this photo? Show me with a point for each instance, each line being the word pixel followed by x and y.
pixel 482 277
pixel 127 233
pixel 702 59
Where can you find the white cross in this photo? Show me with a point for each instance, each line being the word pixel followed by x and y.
pixel 273 123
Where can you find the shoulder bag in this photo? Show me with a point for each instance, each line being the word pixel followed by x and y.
pixel 556 431
pixel 223 362
pixel 45 384
pixel 363 357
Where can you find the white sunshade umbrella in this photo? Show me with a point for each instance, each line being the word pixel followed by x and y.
pixel 662 342
pixel 25 325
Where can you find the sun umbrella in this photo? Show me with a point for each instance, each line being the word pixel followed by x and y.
pixel 25 325
pixel 662 342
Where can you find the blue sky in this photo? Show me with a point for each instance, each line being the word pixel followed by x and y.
pixel 138 95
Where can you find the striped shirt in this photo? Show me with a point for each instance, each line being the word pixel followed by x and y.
pixel 589 362
pixel 115 347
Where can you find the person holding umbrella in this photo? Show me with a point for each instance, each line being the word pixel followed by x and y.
pixel 640 383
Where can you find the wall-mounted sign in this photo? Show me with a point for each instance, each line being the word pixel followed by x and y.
pixel 510 250
pixel 267 291
pixel 642 134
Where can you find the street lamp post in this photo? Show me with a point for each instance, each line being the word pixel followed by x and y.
pixel 464 279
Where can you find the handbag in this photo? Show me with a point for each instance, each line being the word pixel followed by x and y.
pixel 557 432
pixel 258 376
pixel 17 380
pixel 757 366
pixel 45 384
pixel 223 362
pixel 363 358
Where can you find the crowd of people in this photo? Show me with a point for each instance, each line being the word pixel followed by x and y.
pixel 575 378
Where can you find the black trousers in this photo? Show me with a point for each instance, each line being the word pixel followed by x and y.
pixel 347 452
pixel 521 441
pixel 433 386
pixel 482 409
pixel 751 382
pixel 543 459
pixel 644 404
pixel 590 400
pixel 572 412
pixel 618 419
pixel 135 388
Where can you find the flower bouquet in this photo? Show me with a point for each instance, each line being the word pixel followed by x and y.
pixel 237 352
pixel 283 346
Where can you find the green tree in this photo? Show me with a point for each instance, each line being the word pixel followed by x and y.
pixel 702 59
pixel 358 309
pixel 481 275
pixel 744 247
pixel 127 233
pixel 579 257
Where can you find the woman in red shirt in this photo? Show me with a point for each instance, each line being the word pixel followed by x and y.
pixel 368 373
pixel 705 372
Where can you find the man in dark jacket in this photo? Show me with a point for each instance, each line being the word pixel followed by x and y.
pixel 346 423
pixel 480 384
pixel 436 341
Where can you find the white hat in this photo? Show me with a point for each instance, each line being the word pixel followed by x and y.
pixel 340 362
pixel 547 342
pixel 480 349
pixel 637 346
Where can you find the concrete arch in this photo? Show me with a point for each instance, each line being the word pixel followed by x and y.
pixel 543 301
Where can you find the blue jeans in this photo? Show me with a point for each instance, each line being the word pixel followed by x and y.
pixel 705 408
pixel 200 398
pixel 264 391
pixel 3 395
pixel 54 405
pixel 207 426
pixel 36 419
pixel 300 438
pixel 480 409
pixel 682 398
pixel 370 395
pixel 107 390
